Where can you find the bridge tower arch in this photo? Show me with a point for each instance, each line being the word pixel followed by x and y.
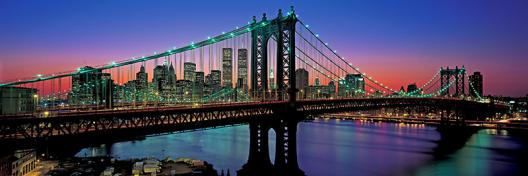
pixel 453 78
pixel 282 29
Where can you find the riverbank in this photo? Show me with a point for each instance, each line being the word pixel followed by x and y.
pixel 510 125
pixel 109 166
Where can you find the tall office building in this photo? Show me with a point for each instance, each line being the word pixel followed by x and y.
pixel 183 91
pixel 92 88
pixel 227 67
pixel 331 89
pixel 352 85
pixel 199 77
pixel 142 78
pixel 477 83
pixel 160 73
pixel 301 80
pixel 242 68
pixel 189 70
pixel 171 77
pixel 215 80
pixel 198 88
pixel 164 80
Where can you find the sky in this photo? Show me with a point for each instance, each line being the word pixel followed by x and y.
pixel 397 42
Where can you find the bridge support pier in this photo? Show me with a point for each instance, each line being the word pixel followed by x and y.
pixel 286 148
pixel 284 123
pixel 258 159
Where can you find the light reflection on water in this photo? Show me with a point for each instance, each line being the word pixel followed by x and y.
pixel 330 147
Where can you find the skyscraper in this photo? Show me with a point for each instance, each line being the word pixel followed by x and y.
pixel 198 88
pixel 189 69
pixel 301 80
pixel 352 85
pixel 227 67
pixel 171 76
pixel 142 78
pixel 242 68
pixel 215 80
pixel 477 82
pixel 92 88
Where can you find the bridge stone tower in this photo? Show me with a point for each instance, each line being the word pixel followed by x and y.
pixel 446 76
pixel 285 118
pixel 282 29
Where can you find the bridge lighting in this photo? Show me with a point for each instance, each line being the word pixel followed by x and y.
pixel 39 75
pixel 326 44
pixel 335 51
pixel 208 37
pixel 223 32
pixel 237 27
pixel 316 35
pixel 307 26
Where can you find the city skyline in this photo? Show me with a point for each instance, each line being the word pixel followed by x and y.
pixel 499 57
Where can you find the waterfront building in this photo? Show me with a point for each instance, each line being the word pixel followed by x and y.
pixel 227 67
pixel 14 100
pixel 477 83
pixel 301 80
pixel 21 163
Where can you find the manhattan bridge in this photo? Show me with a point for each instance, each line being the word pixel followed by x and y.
pixel 271 74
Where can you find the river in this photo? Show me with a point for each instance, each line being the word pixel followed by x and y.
pixel 342 147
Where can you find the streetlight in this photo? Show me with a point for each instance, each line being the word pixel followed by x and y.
pixel 35 96
pixel 157 98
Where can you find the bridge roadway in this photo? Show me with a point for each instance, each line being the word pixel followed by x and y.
pixel 188 117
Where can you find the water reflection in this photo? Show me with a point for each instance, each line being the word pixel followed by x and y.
pixel 330 147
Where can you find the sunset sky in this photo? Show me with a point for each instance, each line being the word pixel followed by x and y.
pixel 397 42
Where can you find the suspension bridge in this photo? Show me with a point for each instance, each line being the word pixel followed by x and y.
pixel 270 73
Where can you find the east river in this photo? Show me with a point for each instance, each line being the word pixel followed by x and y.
pixel 342 147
